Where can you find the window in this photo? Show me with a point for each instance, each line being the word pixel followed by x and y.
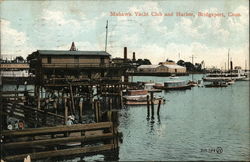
pixel 102 60
pixel 49 60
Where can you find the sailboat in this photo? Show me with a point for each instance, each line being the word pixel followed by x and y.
pixel 192 83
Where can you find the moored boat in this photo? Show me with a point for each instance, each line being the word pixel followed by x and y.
pixel 217 84
pixel 192 83
pixel 158 85
pixel 155 102
pixel 236 75
pixel 139 97
pixel 176 85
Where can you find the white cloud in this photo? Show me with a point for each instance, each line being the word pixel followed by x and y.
pixel 150 21
pixel 14 42
pixel 240 23
pixel 81 46
pixel 212 56
pixel 58 18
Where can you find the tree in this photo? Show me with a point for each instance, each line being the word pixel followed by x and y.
pixel 143 62
pixel 146 62
pixel 181 63
pixel 189 66
pixel 31 56
pixel 18 59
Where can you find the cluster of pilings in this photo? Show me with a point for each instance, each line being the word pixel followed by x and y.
pixel 150 103
pixel 76 99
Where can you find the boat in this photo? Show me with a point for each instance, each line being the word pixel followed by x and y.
pixel 155 102
pixel 217 84
pixel 230 82
pixel 158 85
pixel 233 75
pixel 137 92
pixel 176 85
pixel 139 97
pixel 136 98
pixel 149 86
pixel 192 83
pixel 173 76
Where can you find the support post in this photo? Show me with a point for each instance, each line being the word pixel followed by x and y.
pixel 148 106
pixel 38 98
pixel 80 107
pixel 65 111
pixel 72 99
pixel 152 105
pixel 110 103
pixel 159 106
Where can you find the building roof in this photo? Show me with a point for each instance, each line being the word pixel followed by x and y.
pixel 80 53
pixel 175 66
pixel 149 66
pixel 155 66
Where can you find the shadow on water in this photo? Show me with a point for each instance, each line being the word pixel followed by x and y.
pixel 152 121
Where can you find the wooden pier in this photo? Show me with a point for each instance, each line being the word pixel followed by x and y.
pixel 67 84
pixel 48 142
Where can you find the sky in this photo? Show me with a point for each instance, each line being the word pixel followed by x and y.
pixel 27 26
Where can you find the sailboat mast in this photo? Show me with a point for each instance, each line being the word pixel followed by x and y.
pixel 106 36
pixel 228 60
pixel 245 65
pixel 193 64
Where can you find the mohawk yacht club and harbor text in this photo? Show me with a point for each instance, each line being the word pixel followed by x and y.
pixel 178 14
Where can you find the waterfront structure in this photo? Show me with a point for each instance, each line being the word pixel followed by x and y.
pixel 73 65
pixel 162 68
pixel 14 72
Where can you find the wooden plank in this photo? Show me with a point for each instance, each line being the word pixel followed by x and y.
pixel 64 152
pixel 58 129
pixel 54 141
pixel 34 109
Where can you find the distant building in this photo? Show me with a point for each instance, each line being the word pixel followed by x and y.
pixel 237 67
pixel 168 62
pixel 162 68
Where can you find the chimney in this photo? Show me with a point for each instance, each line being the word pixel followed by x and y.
pixel 125 54
pixel 231 65
pixel 73 47
pixel 134 56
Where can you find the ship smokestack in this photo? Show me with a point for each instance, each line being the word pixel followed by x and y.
pixel 231 65
pixel 134 56
pixel 125 54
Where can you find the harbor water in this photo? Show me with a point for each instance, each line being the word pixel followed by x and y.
pixel 197 124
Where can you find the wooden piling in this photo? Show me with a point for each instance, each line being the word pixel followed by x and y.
pixel 99 110
pixel 121 101
pixel 152 104
pixel 159 106
pixel 72 99
pixel 110 103
pixel 65 111
pixel 80 112
pixel 96 111
pixel 148 106
pixel 38 98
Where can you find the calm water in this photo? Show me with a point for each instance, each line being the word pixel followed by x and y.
pixel 193 125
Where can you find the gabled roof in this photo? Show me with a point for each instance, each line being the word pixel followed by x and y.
pixel 156 66
pixel 68 53
pixel 149 66
pixel 175 66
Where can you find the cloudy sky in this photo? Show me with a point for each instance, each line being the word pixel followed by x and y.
pixel 27 26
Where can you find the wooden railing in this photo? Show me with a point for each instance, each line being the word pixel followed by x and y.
pixel 80 65
pixel 31 116
pixel 102 137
